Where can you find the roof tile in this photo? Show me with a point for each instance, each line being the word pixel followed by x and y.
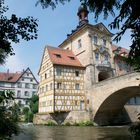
pixel 9 77
pixel 66 57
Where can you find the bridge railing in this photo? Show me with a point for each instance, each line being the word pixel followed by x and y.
pixel 130 74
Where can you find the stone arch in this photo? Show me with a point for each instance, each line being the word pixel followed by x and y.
pixel 103 75
pixel 110 111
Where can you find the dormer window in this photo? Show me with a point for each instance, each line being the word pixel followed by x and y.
pixel 79 43
pixel 71 57
pixel 58 55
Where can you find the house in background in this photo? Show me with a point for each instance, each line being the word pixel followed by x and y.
pixel 23 84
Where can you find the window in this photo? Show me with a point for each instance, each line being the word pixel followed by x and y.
pixel 58 85
pixel 106 57
pixel 45 75
pixel 34 86
pixel 71 57
pixel 27 74
pixel 50 73
pixel 97 56
pixel 2 84
pixel 87 101
pixel 58 55
pixel 95 40
pixel 77 86
pixel 79 43
pixel 104 42
pixel 26 102
pixel 22 79
pixel 19 85
pixel 76 102
pixel 33 93
pixel 31 80
pixel 77 73
pixel 12 85
pixel 43 104
pixel 58 71
pixel 27 85
pixel 19 102
pixel 46 87
pixel 51 86
pixel 26 93
pixel 18 93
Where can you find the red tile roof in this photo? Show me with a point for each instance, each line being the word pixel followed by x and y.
pixel 63 57
pixel 9 77
pixel 122 51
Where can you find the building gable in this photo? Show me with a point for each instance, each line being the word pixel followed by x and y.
pixel 43 60
pixel 25 74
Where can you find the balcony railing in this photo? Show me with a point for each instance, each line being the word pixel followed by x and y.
pixel 103 63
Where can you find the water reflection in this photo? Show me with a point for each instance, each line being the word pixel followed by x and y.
pixel 73 133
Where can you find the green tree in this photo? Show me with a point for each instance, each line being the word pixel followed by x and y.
pixel 8 121
pixel 128 18
pixel 14 29
pixel 34 104
pixel 29 112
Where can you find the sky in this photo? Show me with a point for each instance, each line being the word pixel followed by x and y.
pixel 54 25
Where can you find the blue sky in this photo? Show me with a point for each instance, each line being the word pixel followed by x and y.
pixel 54 25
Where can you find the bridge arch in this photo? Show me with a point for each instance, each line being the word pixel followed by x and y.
pixel 108 97
pixel 111 111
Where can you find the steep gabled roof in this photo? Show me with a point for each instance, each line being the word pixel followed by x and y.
pixel 60 56
pixel 13 77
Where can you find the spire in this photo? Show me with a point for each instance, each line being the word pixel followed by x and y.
pixel 82 14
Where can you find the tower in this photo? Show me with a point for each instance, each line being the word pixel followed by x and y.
pixel 82 14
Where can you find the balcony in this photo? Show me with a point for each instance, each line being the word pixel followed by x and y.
pixel 103 65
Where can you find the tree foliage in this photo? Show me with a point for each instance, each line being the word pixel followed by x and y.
pixel 34 104
pixel 14 29
pixel 29 112
pixel 8 116
pixel 128 18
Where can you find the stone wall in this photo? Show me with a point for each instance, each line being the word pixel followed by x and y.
pixel 62 118
pixel 133 111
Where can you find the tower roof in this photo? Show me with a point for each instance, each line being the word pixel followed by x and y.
pixel 82 14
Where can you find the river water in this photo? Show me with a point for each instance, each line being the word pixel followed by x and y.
pixel 73 133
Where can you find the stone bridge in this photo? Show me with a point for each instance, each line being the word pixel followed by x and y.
pixel 110 96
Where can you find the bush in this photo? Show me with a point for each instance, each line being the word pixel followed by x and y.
pixel 135 130
pixel 86 123
pixel 51 123
pixel 30 117
pixel 67 124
